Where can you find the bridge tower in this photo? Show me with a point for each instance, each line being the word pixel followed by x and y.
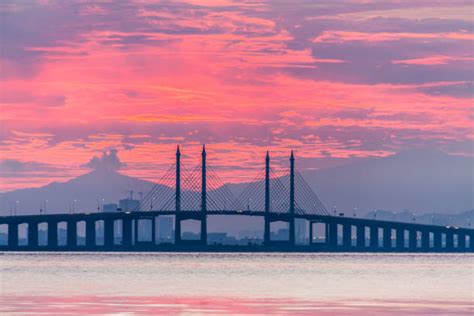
pixel 292 200
pixel 266 237
pixel 177 221
pixel 203 198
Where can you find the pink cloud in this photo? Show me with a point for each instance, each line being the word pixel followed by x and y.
pixel 432 60
pixel 347 36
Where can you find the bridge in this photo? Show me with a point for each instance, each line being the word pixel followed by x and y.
pixel 199 194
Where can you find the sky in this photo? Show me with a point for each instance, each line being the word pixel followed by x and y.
pixel 337 81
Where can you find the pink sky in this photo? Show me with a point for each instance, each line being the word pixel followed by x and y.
pixel 335 81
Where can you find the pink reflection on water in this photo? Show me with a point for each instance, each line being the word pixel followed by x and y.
pixel 97 305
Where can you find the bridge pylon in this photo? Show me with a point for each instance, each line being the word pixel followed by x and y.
pixel 292 200
pixel 287 217
pixel 203 198
pixel 266 234
pixel 177 221
pixel 186 214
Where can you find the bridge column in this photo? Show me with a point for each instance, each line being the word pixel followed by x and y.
pixel 135 229
pixel 127 232
pixel 203 199
pixel 90 233
pixel 437 244
pixel 292 200
pixel 450 240
pixel 360 236
pixel 311 233
pixel 71 234
pixel 400 239
pixel 32 234
pixel 332 234
pixel 347 236
pixel 471 241
pixel 461 241
pixel 52 234
pixel 425 240
pixel 153 230
pixel 13 235
pixel 108 232
pixel 412 242
pixel 387 238
pixel 177 219
pixel 266 234
pixel 374 237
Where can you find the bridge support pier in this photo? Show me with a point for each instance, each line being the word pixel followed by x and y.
pixel 360 236
pixel 400 239
pixel 332 235
pixel 347 236
pixel 412 239
pixel 311 232
pixel 425 240
pixel 127 232
pixel 462 241
pixel 450 240
pixel 32 235
pixel 13 235
pixel 374 237
pixel 204 230
pixel 71 234
pixel 437 244
pixel 471 241
pixel 266 231
pixel 109 233
pixel 387 238
pixel 52 234
pixel 90 233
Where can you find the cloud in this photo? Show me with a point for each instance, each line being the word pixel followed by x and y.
pixel 432 60
pixel 348 36
pixel 23 173
pixel 108 162
pixel 14 166
pixel 141 76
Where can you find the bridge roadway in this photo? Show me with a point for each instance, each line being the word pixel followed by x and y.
pixel 341 233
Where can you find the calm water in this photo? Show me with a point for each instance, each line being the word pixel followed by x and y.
pixel 196 283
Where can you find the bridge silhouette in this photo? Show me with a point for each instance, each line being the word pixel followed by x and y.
pixel 200 193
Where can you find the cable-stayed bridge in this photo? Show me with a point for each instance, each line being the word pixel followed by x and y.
pixel 199 193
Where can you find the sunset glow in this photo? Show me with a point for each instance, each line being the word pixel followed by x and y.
pixel 331 80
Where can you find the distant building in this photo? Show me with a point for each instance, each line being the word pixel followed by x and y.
pixel 190 236
pixel 111 207
pixel 216 238
pixel 129 205
pixel 165 229
pixel 281 234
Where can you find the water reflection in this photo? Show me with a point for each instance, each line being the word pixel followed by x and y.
pixel 237 283
pixel 49 305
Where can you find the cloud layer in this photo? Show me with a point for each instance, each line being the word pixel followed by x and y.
pixel 334 80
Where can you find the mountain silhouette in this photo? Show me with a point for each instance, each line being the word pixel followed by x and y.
pixel 421 181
